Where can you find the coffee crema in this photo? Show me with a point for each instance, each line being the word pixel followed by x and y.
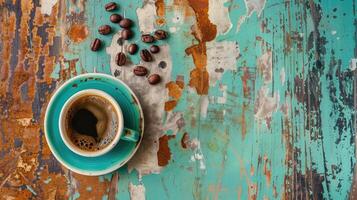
pixel 91 122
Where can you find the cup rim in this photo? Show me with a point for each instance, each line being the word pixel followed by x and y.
pixel 116 139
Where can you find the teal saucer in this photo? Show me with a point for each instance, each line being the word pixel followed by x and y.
pixel 133 119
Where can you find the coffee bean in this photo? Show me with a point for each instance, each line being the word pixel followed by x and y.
pixel 95 45
pixel 133 48
pixel 154 49
pixel 140 71
pixel 120 59
pixel 154 79
pixel 126 34
pixel 111 6
pixel 145 55
pixel 125 23
pixel 147 38
pixel 115 18
pixel 105 29
pixel 160 34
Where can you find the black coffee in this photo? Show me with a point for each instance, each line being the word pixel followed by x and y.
pixel 91 122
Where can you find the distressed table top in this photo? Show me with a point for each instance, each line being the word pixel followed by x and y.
pixel 257 98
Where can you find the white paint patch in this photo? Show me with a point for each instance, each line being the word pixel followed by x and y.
pixel 251 7
pixel 204 102
pixel 265 65
pixel 353 64
pixel 152 99
pixel 219 15
pixel 47 5
pixel 137 192
pixel 147 16
pixel 221 56
pixel 265 105
pixel 197 153
pixel 24 121
pixel 282 76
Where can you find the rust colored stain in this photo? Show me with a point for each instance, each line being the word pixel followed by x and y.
pixel 164 153
pixel 199 77
pixel 160 12
pixel 170 105
pixel 185 140
pixel 245 78
pixel 174 89
pixel 78 32
pixel 175 92
pixel 267 171
pixel 203 31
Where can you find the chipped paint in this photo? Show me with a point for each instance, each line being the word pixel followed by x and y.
pixel 164 153
pixel 137 192
pixel 251 7
pixel 304 93
pixel 197 155
pixel 47 6
pixel 147 16
pixel 265 104
pixel 219 15
pixel 78 32
pixel 221 57
pixel 265 66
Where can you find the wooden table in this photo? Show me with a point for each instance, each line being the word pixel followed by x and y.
pixel 257 98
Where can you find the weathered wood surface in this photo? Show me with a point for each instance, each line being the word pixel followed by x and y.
pixel 257 100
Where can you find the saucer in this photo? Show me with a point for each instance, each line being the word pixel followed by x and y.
pixel 133 119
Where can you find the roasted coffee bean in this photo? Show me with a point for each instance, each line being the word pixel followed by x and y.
pixel 145 55
pixel 160 34
pixel 140 71
pixel 154 49
pixel 120 59
pixel 126 34
pixel 125 23
pixel 154 79
pixel 111 6
pixel 105 29
pixel 147 38
pixel 133 48
pixel 115 18
pixel 95 45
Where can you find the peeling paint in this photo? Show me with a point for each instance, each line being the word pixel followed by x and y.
pixel 221 57
pixel 265 65
pixel 47 5
pixel 251 7
pixel 137 192
pixel 197 156
pixel 219 15
pixel 265 105
pixel 152 99
pixel 147 16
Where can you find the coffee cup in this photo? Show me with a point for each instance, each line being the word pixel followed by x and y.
pixel 91 123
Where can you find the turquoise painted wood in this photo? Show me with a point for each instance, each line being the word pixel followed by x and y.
pixel 307 152
pixel 257 99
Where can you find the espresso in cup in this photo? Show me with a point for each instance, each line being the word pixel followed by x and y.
pixel 91 122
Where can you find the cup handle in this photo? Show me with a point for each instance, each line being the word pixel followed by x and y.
pixel 130 135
